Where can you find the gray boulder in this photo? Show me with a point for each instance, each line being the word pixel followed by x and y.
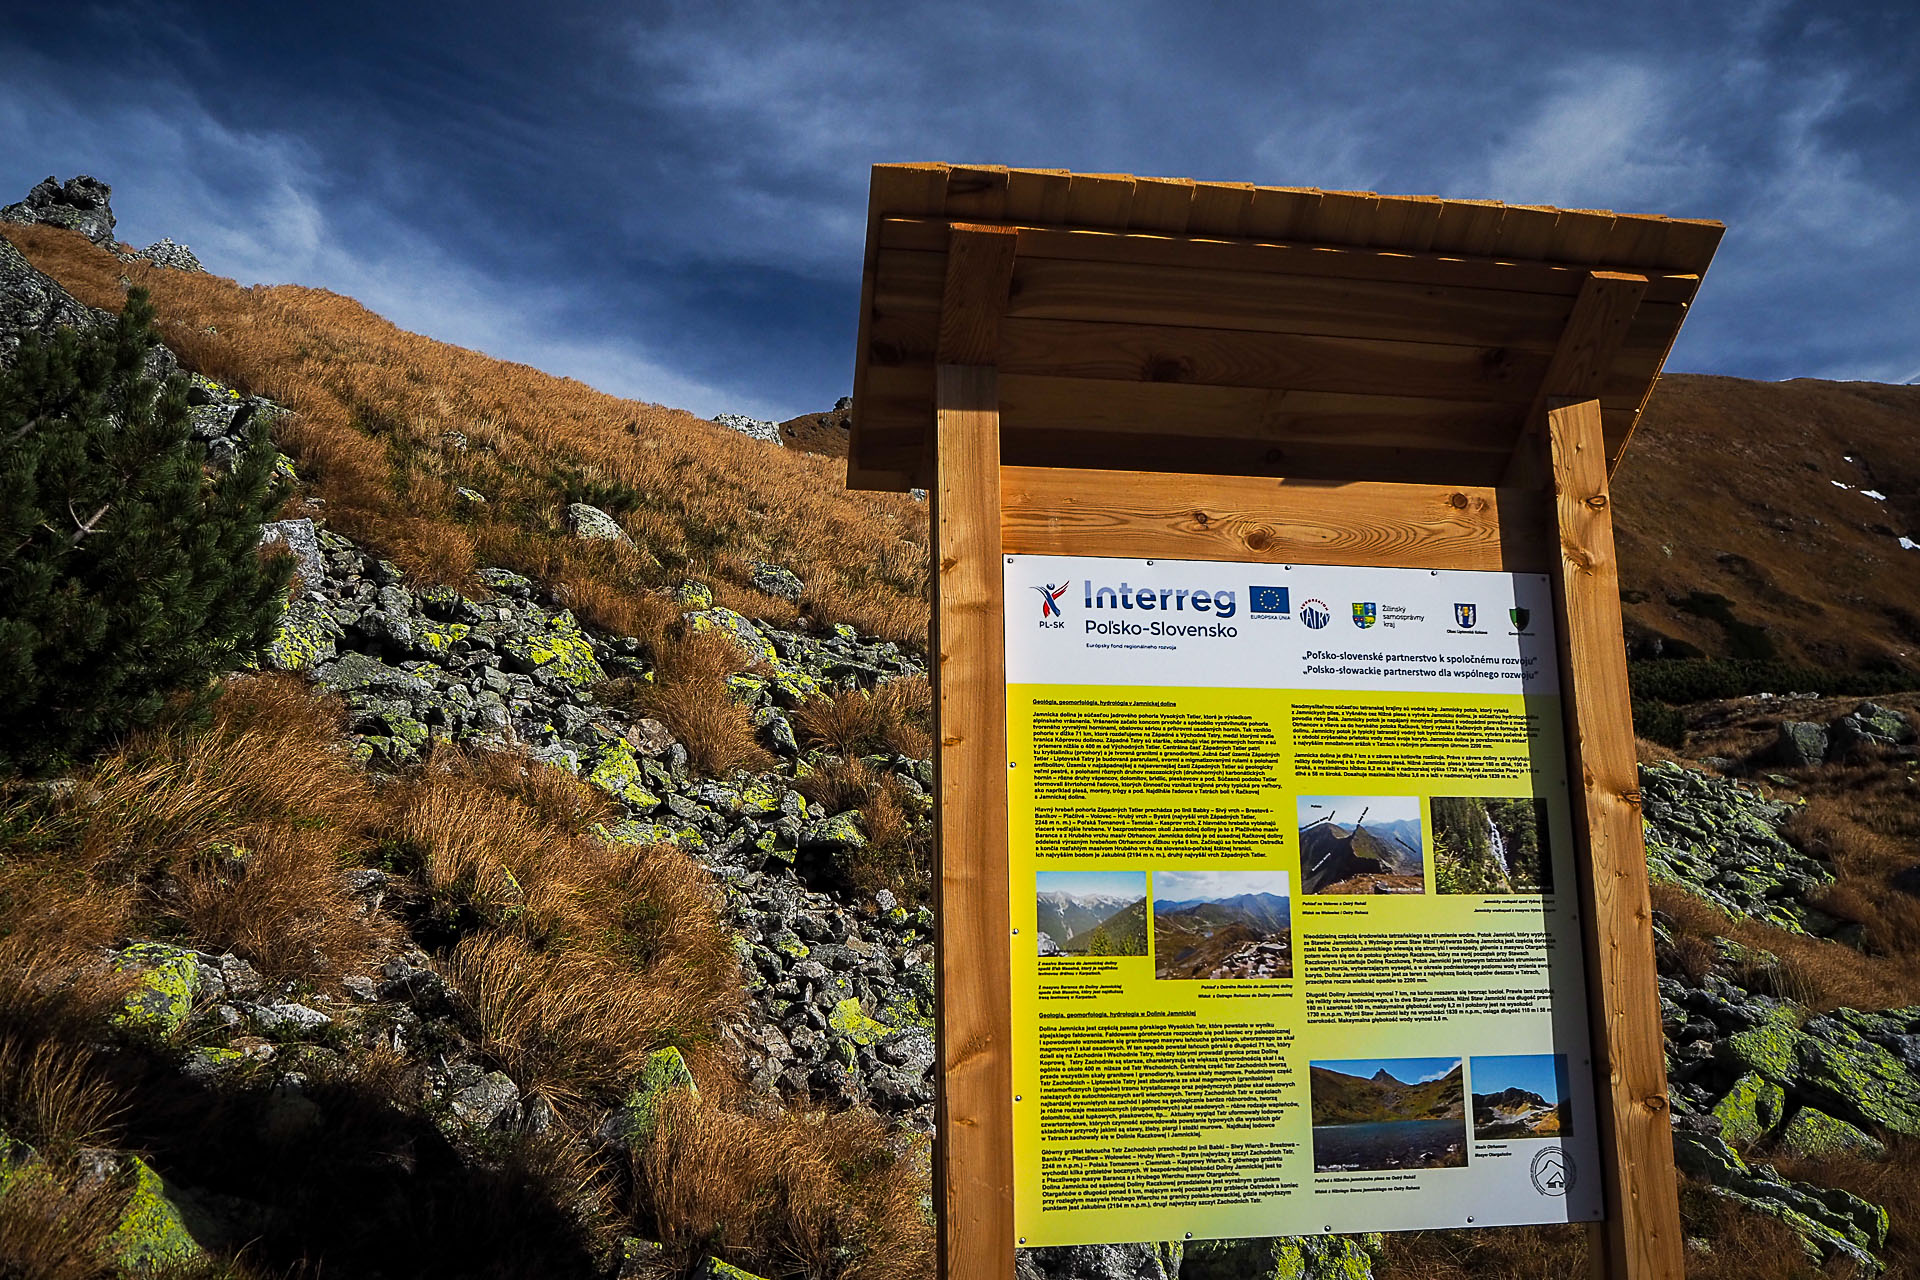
pixel 32 303
pixel 303 540
pixel 1801 743
pixel 166 252
pixel 80 204
pixel 758 428
pixel 778 580
pixel 593 525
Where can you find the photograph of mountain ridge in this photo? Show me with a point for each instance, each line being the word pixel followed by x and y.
pixel 1521 1096
pixel 1215 924
pixel 1388 1113
pixel 1361 844
pixel 1091 913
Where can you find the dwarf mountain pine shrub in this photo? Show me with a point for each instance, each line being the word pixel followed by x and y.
pixel 127 573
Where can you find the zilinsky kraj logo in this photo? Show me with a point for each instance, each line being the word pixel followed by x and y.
pixel 1466 614
pixel 1315 614
pixel 1050 602
pixel 1520 618
pixel 1364 614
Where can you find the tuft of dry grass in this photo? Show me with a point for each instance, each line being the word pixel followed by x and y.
pixel 805 1192
pixel 895 716
pixel 1743 1245
pixel 53 1227
pixel 1539 1253
pixel 386 424
pixel 896 855
pixel 234 835
pixel 1819 974
pixel 1893 1183
pixel 689 695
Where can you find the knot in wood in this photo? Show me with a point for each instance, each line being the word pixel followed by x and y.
pixel 1259 539
pixel 1458 501
pixel 1655 1103
pixel 1201 518
pixel 1597 501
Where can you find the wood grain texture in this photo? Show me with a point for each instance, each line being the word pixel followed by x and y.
pixel 1204 249
pixel 978 271
pixel 1073 511
pixel 974 1156
pixel 1642 1231
pixel 1588 348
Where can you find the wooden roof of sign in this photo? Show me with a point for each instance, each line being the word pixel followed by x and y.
pixel 1164 324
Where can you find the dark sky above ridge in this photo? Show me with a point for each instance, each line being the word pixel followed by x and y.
pixel 667 201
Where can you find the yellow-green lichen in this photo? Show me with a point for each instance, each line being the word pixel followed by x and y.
pixel 852 1022
pixel 618 774
pixel 151 1235
pixel 163 994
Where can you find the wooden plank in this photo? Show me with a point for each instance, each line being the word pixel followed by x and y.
pixel 1056 289
pixel 1642 1230
pixel 1580 237
pixel 976 193
pixel 1219 208
pixel 979 269
pixel 1254 413
pixel 1282 213
pixel 1526 231
pixel 974 1100
pixel 1237 358
pixel 1038 195
pixel 1469 227
pixel 1161 206
pixel 1339 463
pixel 1049 511
pixel 915 189
pixel 929 235
pixel 1343 217
pixel 1602 317
pixel 1101 200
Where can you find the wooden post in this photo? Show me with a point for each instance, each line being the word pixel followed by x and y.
pixel 1641 1239
pixel 973 1159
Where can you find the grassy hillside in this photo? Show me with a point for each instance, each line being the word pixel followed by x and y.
pixel 1345 1099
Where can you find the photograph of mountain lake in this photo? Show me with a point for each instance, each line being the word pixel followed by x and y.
pixel 1388 1113
pixel 1521 1096
pixel 1490 844
pixel 1092 913
pixel 1222 924
pixel 1361 844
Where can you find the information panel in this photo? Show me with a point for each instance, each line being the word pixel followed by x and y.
pixel 1291 864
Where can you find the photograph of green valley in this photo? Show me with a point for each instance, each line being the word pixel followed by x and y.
pixel 468 783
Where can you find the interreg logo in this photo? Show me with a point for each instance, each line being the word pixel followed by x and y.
pixel 1219 603
pixel 1465 614
pixel 1364 614
pixel 1315 614
pixel 1050 599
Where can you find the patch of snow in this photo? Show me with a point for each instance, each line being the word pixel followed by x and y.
pixel 1847 457
pixel 1836 484
pixel 1875 494
pixel 1908 544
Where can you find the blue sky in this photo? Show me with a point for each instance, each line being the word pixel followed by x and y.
pixel 1405 1070
pixel 1534 1072
pixel 667 201
pixel 1085 884
pixel 1185 886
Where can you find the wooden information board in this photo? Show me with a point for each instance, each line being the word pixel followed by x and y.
pixel 1259 458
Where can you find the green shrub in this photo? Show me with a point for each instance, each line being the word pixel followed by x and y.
pixel 1684 680
pixel 1658 722
pixel 127 573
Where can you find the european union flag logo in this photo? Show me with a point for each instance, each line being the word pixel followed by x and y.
pixel 1268 600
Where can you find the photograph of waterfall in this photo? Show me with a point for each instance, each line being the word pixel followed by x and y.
pixel 1490 844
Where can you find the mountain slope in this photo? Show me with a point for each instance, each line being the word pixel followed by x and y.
pixel 1343 1099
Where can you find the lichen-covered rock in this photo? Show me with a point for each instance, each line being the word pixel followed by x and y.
pixel 559 650
pixel 618 774
pixel 1812 1132
pixel 1830 1222
pixel 306 637
pixel 169 253
pixel 487 1102
pixel 634 1121
pixel 777 580
pixel 162 997
pixel 1102 1262
pixel 850 1020
pixel 752 641
pixel 1750 1110
pixel 1770 1050
pixel 591 524
pixel 1801 743
pixel 151 1235
pixel 1853 1077
pixel 1721 840
pixel 80 204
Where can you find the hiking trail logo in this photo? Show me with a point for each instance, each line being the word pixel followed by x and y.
pixel 1364 614
pixel 1552 1172
pixel 1315 614
pixel 1519 618
pixel 1466 614
pixel 1050 601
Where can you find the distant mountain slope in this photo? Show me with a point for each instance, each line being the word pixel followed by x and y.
pixel 1730 488
pixel 1097 924
pixel 1344 1099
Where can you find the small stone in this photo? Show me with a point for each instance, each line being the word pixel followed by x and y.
pixel 778 581
pixel 591 524
pixel 289 1017
pixel 487 1103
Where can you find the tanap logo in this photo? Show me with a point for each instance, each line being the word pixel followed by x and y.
pixel 1050 599
pixel 1315 614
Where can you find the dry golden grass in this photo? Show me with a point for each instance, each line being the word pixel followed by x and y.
pixel 1742 1245
pixel 233 836
pixel 1537 1253
pixel 1821 975
pixel 372 409
pixel 689 695
pixel 805 1193
pixel 895 856
pixel 1892 1183
pixel 51 1228
pixel 895 716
